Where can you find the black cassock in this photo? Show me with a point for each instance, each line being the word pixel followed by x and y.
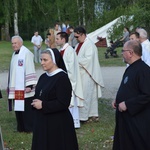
pixel 132 130
pixel 53 124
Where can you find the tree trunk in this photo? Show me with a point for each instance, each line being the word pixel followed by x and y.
pixel 7 35
pixel 58 14
pixel 83 12
pixel 16 32
pixel 78 12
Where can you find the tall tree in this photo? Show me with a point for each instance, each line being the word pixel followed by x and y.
pixel 83 12
pixel 78 8
pixel 16 31
pixel 6 10
pixel 24 18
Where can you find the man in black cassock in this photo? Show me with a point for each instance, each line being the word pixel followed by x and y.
pixel 132 102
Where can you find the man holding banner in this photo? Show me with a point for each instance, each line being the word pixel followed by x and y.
pixel 21 84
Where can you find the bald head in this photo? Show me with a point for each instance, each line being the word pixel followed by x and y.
pixel 132 51
pixel 135 46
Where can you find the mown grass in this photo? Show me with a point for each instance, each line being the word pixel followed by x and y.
pixel 91 136
pixel 6 53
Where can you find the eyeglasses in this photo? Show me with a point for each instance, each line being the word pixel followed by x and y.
pixel 124 50
pixel 76 37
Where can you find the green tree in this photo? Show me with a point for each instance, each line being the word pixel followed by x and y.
pixel 23 17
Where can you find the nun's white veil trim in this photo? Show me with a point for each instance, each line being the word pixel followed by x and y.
pixel 53 56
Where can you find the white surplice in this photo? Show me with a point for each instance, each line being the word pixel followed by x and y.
pixel 91 78
pixel 29 74
pixel 72 66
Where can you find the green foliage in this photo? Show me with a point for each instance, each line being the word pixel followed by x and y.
pixel 45 13
pixel 141 14
pixel 42 14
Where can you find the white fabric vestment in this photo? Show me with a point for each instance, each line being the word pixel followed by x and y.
pixel 19 84
pixel 72 66
pixel 91 78
pixel 30 75
pixel 146 52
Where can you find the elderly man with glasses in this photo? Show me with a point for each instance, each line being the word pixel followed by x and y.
pixel 132 102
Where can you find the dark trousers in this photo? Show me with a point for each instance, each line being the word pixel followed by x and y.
pixel 25 118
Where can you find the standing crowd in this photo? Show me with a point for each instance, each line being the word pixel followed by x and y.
pixel 66 95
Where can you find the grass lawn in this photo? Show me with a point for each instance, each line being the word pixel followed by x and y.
pixel 6 53
pixel 91 136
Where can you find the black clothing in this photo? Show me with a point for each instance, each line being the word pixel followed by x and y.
pixel 53 125
pixel 17 52
pixel 25 118
pixel 59 60
pixel 132 130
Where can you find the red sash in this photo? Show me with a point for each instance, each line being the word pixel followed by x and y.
pixel 78 48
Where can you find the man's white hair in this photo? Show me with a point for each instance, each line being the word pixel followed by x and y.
pixel 18 37
pixel 142 33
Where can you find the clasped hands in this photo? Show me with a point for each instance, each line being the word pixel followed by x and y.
pixel 121 106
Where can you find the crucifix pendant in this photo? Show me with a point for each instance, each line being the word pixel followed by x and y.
pixel 40 93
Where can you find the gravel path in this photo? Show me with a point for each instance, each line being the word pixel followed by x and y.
pixel 111 75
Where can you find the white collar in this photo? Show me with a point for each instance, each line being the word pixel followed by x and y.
pixel 54 72
pixel 64 47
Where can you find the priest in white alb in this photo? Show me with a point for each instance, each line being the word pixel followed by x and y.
pixel 21 84
pixel 91 75
pixel 72 66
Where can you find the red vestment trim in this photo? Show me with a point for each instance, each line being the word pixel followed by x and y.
pixel 62 52
pixel 19 95
pixel 78 48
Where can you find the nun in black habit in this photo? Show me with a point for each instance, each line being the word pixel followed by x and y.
pixel 53 123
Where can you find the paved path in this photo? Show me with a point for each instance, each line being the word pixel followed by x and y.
pixel 112 77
